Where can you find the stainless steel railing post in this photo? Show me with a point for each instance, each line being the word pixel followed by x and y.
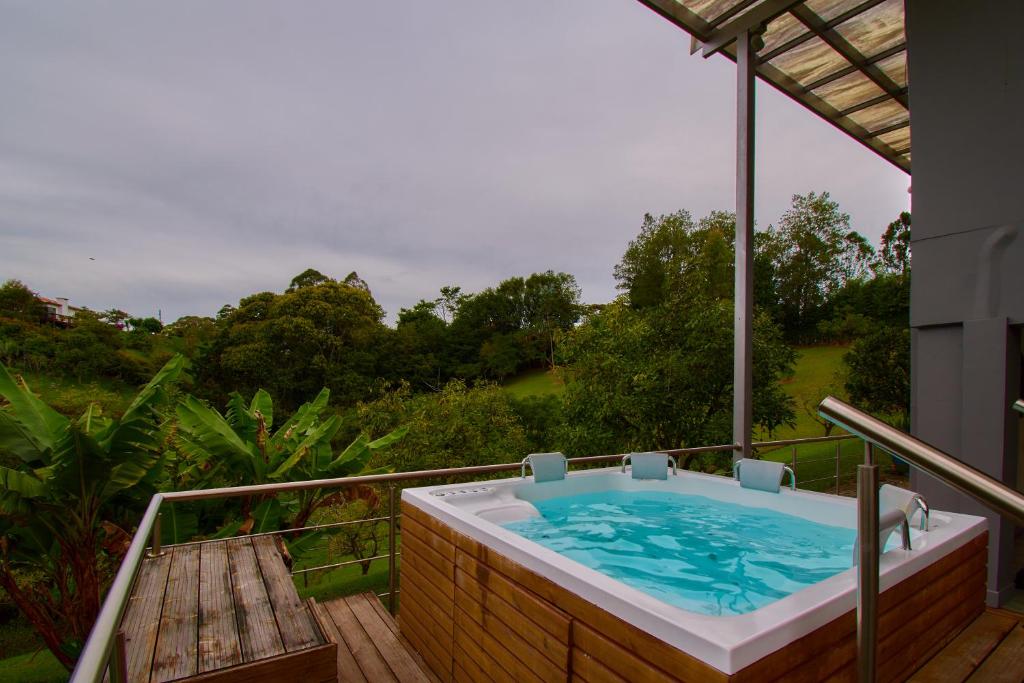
pixel 867 566
pixel 838 455
pixel 119 660
pixel 391 548
pixel 155 550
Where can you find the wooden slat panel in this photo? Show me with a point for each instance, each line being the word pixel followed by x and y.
pixel 1006 664
pixel 397 659
pixel 257 628
pixel 443 583
pixel 141 622
pixel 431 640
pixel 348 670
pixel 293 620
pixel 471 575
pixel 444 548
pixel 467 669
pixel 413 545
pixel 363 650
pixel 176 653
pixel 619 660
pixel 486 607
pixel 468 651
pixel 499 651
pixel 312 665
pixel 586 668
pixel 218 631
pixel 515 642
pixel 415 583
pixel 410 511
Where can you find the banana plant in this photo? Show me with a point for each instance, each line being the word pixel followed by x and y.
pixel 241 447
pixel 58 503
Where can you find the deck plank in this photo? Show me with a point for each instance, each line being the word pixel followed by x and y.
pixel 398 660
pixel 1006 663
pixel 219 645
pixel 393 625
pixel 141 622
pixel 294 621
pixel 373 666
pixel 176 654
pixel 257 629
pixel 348 670
pixel 960 658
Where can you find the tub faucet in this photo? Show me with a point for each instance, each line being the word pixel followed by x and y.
pixel 922 505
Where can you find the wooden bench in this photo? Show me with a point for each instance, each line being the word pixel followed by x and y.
pixel 224 611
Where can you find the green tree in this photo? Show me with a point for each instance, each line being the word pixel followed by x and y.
pixel 662 378
pixel 19 302
pixel 895 253
pixel 293 344
pixel 241 446
pixel 456 427
pixel 878 379
pixel 308 278
pixel 551 303
pixel 59 507
pixel 817 253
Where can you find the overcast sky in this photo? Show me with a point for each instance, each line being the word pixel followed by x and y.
pixel 202 151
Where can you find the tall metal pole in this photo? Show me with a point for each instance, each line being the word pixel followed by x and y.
pixel 743 299
pixel 867 566
pixel 392 578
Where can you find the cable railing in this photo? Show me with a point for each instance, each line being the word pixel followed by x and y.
pixel 877 434
pixel 105 646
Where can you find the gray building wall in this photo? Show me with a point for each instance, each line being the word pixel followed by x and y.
pixel 966 62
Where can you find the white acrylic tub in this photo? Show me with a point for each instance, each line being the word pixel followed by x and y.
pixel 727 643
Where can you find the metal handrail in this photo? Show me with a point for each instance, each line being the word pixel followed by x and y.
pixel 95 656
pixel 957 474
pixel 875 433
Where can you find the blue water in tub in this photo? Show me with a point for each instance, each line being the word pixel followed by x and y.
pixel 693 552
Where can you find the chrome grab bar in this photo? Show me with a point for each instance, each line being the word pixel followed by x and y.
pixel 993 493
pixel 675 468
pixel 959 475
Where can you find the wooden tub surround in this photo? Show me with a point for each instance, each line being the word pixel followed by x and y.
pixel 224 612
pixel 474 615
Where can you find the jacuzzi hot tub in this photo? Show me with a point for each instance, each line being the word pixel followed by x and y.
pixel 481 600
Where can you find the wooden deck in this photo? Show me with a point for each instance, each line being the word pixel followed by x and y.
pixel 370 647
pixel 991 648
pixel 222 611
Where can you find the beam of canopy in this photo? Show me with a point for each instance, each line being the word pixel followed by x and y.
pixel 845 60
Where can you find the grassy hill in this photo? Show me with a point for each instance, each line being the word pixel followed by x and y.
pixel 535 383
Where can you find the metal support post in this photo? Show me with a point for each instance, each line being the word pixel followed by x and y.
pixel 794 461
pixel 119 660
pixel 838 454
pixel 392 579
pixel 155 550
pixel 743 298
pixel 867 566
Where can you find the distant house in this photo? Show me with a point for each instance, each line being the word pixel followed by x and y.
pixel 58 311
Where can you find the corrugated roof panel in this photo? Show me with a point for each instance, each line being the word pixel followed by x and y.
pixel 895 67
pixel 875 29
pixel 828 9
pixel 897 139
pixel 809 61
pixel 848 91
pixel 781 31
pixel 816 50
pixel 879 116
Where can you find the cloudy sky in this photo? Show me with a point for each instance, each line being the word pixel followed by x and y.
pixel 201 151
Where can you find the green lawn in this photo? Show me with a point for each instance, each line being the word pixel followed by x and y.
pixel 535 383
pixel 71 398
pixel 35 667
